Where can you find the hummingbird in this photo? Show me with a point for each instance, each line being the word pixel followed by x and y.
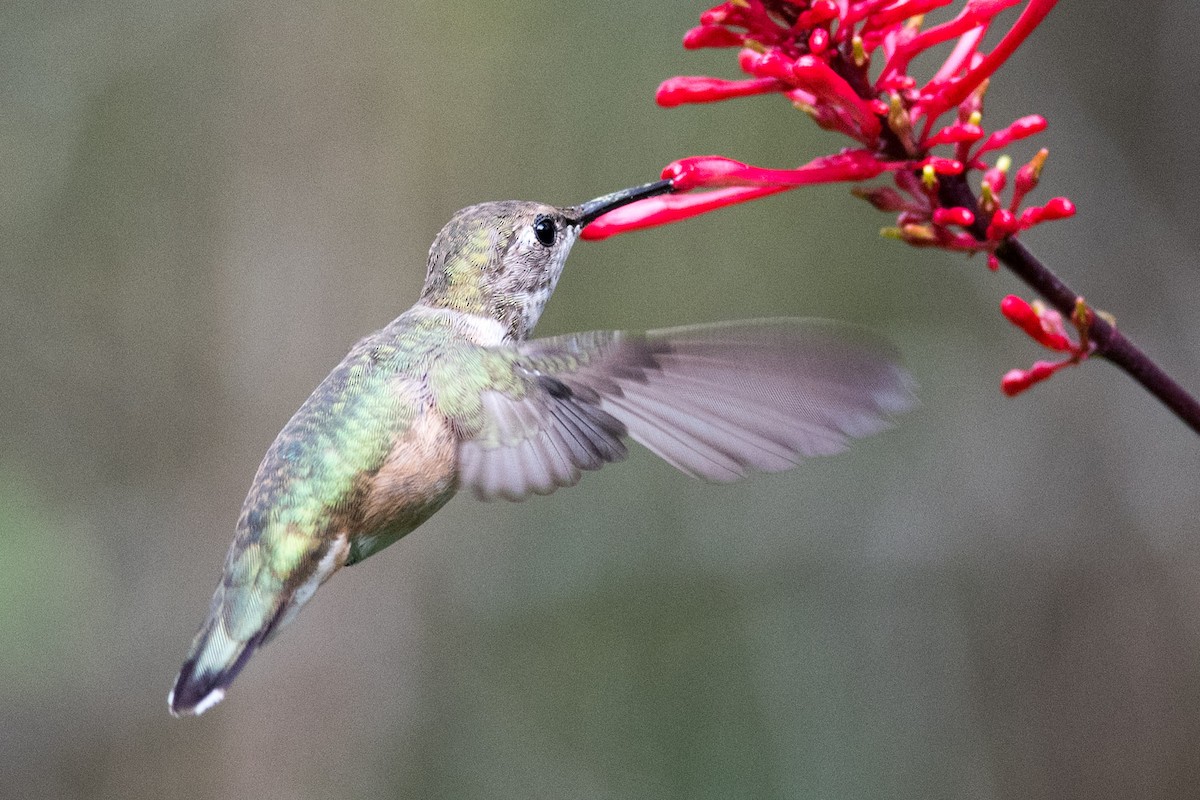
pixel 453 395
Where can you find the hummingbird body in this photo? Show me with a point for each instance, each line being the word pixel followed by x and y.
pixel 452 395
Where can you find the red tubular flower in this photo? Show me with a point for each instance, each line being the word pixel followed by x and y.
pixel 1022 128
pixel 938 96
pixel 963 217
pixel 1028 177
pixel 710 171
pixel 665 209
pixel 818 41
pixel 1057 208
pixel 969 26
pixel 943 166
pixel 818 13
pixel 1016 381
pixel 1043 327
pixel 903 11
pixel 818 54
pixel 740 181
pixel 816 76
pixel 696 89
pixel 1003 225
pixel 710 36
pixel 996 179
pixel 958 133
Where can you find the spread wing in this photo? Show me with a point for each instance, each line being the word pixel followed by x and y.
pixel 715 401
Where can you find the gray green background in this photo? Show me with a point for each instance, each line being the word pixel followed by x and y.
pixel 203 204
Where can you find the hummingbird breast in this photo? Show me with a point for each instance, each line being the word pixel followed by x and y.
pixel 416 478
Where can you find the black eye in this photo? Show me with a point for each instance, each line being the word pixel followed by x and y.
pixel 545 230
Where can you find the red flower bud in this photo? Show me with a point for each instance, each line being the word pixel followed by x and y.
pixel 1022 128
pixel 896 83
pixel 818 41
pixel 953 216
pixel 1041 328
pixel 820 12
pixel 698 89
pixel 1003 225
pixel 813 74
pixel 748 59
pixel 1028 177
pixel 771 64
pixel 955 134
pixel 716 16
pixel 1018 312
pixel 1058 208
pixel 996 178
pixel 943 166
pixel 710 36
pixel 1018 380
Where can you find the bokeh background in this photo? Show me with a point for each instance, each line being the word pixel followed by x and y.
pixel 203 205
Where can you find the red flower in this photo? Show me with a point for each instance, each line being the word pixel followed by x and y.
pixel 819 55
pixel 1045 326
pixel 846 63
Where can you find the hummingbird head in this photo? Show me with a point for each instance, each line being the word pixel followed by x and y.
pixel 502 260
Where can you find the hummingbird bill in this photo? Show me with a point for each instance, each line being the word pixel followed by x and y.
pixel 454 396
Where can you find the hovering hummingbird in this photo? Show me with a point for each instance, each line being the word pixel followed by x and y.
pixel 453 395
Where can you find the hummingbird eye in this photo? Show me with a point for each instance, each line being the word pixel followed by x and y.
pixel 545 230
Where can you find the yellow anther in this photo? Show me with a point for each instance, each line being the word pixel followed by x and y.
pixel 929 176
pixel 1039 161
pixel 918 233
pixel 987 198
pixel 805 107
pixel 858 51
pixel 899 121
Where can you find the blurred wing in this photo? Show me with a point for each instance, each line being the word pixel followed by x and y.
pixel 727 399
pixel 715 401
pixel 537 433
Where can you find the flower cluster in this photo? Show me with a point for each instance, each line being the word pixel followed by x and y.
pixel 846 63
pixel 1045 326
pixel 821 55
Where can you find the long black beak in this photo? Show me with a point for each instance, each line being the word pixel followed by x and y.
pixel 587 212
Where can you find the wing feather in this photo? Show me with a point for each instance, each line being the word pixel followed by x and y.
pixel 715 401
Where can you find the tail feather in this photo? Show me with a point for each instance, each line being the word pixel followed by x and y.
pixel 214 661
pixel 251 605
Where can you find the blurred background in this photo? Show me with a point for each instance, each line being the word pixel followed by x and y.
pixel 205 204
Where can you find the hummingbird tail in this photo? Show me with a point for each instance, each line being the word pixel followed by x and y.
pixel 215 660
pixel 244 615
